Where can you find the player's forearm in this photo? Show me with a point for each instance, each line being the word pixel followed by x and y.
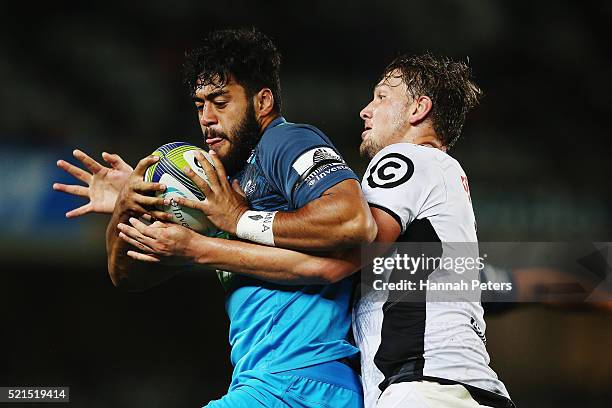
pixel 125 272
pixel 271 264
pixel 336 220
pixel 119 263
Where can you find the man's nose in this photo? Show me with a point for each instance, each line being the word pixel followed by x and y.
pixel 207 118
pixel 366 113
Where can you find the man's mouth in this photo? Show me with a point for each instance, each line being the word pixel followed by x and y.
pixel 216 144
pixel 213 141
pixel 364 134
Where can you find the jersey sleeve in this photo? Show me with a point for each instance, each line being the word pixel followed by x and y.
pixel 401 183
pixel 302 163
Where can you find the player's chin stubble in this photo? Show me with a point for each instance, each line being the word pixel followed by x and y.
pixel 368 149
pixel 243 141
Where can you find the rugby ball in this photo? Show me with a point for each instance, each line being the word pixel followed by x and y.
pixel 168 170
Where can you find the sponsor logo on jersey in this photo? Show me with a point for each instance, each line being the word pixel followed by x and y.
pixel 249 188
pixel 324 171
pixel 466 186
pixel 252 156
pixel 309 159
pixel 478 330
pixel 323 154
pixel 390 171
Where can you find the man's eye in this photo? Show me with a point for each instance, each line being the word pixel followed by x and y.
pixel 199 108
pixel 381 96
pixel 220 104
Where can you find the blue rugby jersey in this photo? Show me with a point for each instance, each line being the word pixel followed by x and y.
pixel 274 327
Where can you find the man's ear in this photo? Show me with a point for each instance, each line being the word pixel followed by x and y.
pixel 263 102
pixel 419 109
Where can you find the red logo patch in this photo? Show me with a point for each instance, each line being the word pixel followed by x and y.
pixel 466 186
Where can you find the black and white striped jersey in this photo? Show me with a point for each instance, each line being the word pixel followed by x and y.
pixel 427 193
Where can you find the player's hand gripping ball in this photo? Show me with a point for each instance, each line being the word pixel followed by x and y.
pixel 173 157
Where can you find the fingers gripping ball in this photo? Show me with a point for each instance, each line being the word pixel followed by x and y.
pixel 168 170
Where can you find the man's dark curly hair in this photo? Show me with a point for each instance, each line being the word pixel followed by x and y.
pixel 247 55
pixel 447 83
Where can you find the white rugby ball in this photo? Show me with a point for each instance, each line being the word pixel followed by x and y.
pixel 169 171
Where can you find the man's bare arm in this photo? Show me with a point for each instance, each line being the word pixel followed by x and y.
pixel 262 262
pixel 339 219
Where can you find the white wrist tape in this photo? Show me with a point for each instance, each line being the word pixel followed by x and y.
pixel 256 226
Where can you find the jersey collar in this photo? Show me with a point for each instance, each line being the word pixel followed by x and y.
pixel 278 121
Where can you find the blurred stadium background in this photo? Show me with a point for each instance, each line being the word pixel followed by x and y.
pixel 108 78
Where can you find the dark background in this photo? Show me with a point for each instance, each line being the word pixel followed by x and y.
pixel 108 78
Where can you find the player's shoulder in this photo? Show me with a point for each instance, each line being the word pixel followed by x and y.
pixel 419 158
pixel 288 132
pixel 289 140
pixel 424 155
pixel 407 165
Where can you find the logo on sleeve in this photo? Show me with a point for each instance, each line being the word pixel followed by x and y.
pixel 324 154
pixel 390 171
pixel 308 160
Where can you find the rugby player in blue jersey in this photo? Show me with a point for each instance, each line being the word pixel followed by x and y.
pixel 288 342
pixel 419 352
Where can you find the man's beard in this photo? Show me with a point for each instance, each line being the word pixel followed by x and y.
pixel 243 141
pixel 369 148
